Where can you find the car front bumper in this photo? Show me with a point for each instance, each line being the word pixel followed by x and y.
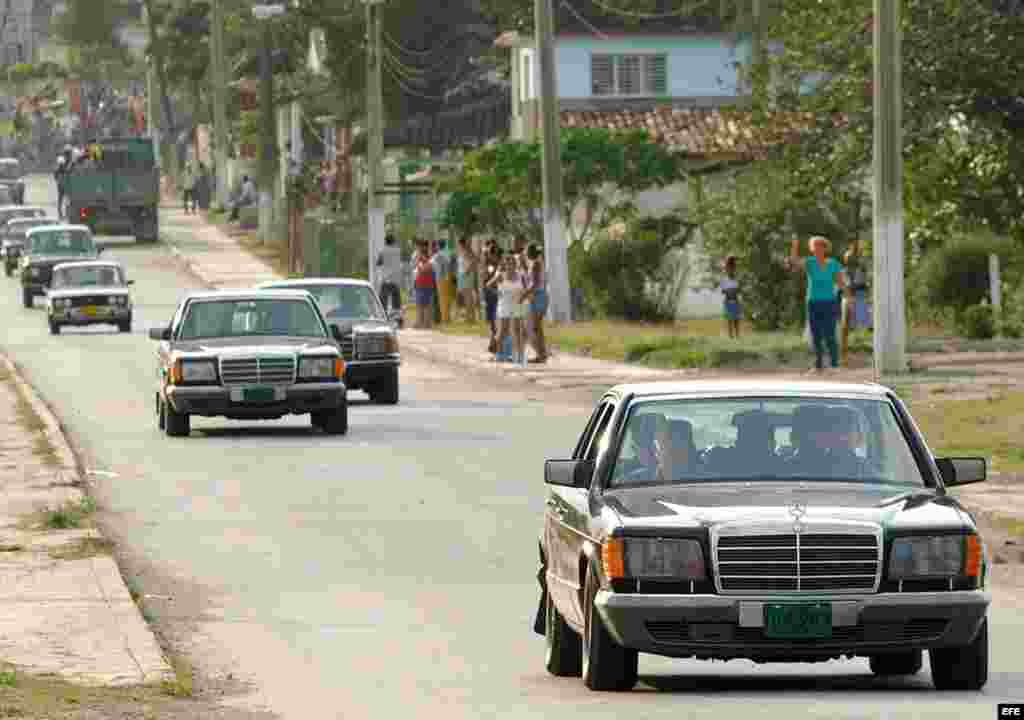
pixel 716 626
pixel 366 373
pixel 76 317
pixel 215 401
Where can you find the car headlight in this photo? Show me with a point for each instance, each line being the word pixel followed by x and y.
pixel 327 366
pixel 937 556
pixel 653 558
pixel 197 371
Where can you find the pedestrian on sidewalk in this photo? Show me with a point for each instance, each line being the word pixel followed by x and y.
pixel 856 310
pixel 389 260
pixel 492 263
pixel 424 282
pixel 730 288
pixel 444 273
pixel 824 276
pixel 511 286
pixel 467 267
pixel 189 184
pixel 246 198
pixel 537 296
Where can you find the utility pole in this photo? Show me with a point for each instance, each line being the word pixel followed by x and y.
pixel 220 117
pixel 890 336
pixel 556 252
pixel 375 136
pixel 268 156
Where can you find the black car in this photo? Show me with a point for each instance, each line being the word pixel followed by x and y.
pixel 14 225
pixel 369 335
pixel 768 520
pixel 12 179
pixel 249 355
pixel 47 246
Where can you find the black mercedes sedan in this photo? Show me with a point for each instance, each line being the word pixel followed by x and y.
pixel 768 520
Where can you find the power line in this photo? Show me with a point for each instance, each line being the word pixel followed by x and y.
pixel 409 90
pixel 583 20
pixel 652 16
pixel 420 53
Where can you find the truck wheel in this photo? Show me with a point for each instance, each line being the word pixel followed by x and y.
pixel 962 668
pixel 564 647
pixel 385 391
pixel 336 421
pixel 898 663
pixel 176 424
pixel 606 664
pixel 27 297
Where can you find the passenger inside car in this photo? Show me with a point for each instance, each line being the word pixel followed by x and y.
pixel 828 436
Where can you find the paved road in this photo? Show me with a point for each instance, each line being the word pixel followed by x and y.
pixel 390 571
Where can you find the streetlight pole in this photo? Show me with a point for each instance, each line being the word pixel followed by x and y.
pixel 890 334
pixel 268 157
pixel 556 251
pixel 375 139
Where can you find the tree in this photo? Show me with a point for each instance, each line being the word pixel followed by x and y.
pixel 500 186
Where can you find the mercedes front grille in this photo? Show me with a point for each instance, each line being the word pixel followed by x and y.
pixel 258 371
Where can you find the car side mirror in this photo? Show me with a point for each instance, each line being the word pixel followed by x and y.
pixel 160 333
pixel 569 473
pixel 336 332
pixel 962 471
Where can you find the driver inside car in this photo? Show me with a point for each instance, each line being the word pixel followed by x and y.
pixel 829 435
pixel 653 444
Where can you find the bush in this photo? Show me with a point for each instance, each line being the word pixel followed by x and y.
pixel 613 275
pixel 978 322
pixel 955 276
pixel 1010 328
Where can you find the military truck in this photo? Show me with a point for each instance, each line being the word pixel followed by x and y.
pixel 117 193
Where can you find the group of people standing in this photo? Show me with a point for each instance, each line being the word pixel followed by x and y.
pixel 511 286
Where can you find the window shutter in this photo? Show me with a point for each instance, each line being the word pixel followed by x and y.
pixel 657 75
pixel 602 75
pixel 630 75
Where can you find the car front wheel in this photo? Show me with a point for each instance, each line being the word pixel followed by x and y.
pixel 962 668
pixel 124 326
pixel 606 664
pixel 54 327
pixel 564 647
pixel 900 663
pixel 26 297
pixel 334 422
pixel 385 390
pixel 176 424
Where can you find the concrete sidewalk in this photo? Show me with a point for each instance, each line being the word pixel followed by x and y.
pixel 219 261
pixel 65 607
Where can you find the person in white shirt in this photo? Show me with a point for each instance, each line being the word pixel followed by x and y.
pixel 389 260
pixel 730 288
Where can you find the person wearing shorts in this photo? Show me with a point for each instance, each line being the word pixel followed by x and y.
pixel 730 288
pixel 425 285
pixel 537 295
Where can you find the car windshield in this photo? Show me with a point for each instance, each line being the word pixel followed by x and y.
pixel 63 242
pixel 345 301
pixel 91 276
pixel 240 318
pixel 779 439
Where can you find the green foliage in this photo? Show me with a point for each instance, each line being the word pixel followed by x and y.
pixel 614 275
pixel 955 275
pixel 978 322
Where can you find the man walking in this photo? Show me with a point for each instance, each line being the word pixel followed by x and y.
pixel 389 260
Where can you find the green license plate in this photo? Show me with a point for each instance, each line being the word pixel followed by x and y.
pixel 811 621
pixel 258 394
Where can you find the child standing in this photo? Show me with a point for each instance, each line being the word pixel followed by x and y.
pixel 730 288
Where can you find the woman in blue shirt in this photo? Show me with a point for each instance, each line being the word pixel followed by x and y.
pixel 824 276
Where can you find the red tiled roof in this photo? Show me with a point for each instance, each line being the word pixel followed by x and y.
pixel 702 132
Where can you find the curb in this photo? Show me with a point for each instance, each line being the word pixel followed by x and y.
pixel 54 430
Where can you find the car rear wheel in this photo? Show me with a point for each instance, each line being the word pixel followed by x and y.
pixel 564 647
pixel 962 668
pixel 26 297
pixel 335 422
pixel 385 391
pixel 606 664
pixel 899 663
pixel 176 424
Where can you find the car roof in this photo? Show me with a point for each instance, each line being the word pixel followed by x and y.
pixel 89 263
pixel 59 226
pixel 301 282
pixel 248 295
pixel 752 387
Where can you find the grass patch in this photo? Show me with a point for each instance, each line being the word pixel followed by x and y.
pixel 84 548
pixel 70 515
pixel 181 686
pixel 991 429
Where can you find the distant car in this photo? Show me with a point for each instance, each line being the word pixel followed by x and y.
pixel 369 340
pixel 47 246
pixel 12 180
pixel 256 354
pixel 768 520
pixel 13 231
pixel 94 292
